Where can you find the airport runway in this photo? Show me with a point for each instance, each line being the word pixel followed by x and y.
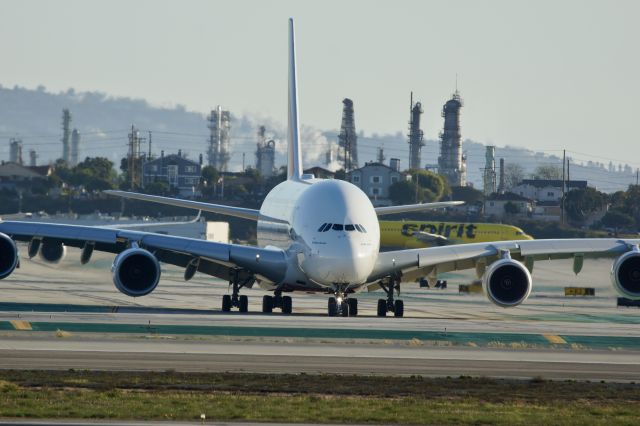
pixel 327 357
pixel 73 317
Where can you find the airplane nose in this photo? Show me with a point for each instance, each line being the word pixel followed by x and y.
pixel 347 263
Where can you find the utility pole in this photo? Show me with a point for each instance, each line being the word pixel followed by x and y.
pixel 243 162
pixel 149 156
pixel 564 162
pixel 637 174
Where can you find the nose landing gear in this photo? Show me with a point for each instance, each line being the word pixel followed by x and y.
pixel 341 305
pixel 389 285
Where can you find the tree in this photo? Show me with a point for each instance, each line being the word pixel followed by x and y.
pixel 513 175
pixel 580 203
pixel 467 194
pixel 616 219
pixel 434 186
pixel 547 172
pixel 404 192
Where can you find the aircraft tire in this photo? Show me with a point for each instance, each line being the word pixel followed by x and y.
pixel 382 308
pixel 332 307
pixel 244 304
pixel 287 304
pixel 353 307
pixel 226 303
pixel 344 309
pixel 267 304
pixel 398 310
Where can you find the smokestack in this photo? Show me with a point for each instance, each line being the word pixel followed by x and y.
pixel 394 163
pixel 501 185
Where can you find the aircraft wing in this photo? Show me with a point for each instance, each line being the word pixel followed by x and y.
pixel 421 262
pixel 380 211
pixel 216 259
pixel 242 212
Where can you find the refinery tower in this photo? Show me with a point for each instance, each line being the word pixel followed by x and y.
pixel 219 124
pixel 452 163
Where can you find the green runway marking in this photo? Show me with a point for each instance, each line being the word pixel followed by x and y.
pixel 498 340
pixel 53 307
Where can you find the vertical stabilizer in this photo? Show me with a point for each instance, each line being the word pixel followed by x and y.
pixel 294 163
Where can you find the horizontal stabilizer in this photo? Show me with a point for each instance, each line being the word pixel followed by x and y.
pixel 380 211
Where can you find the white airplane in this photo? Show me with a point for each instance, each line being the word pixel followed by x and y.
pixel 317 236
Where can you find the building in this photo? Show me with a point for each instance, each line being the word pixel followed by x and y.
pixel 15 176
pixel 508 204
pixel 546 190
pixel 374 179
pixel 182 174
pixel 320 173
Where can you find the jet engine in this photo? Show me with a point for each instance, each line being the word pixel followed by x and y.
pixel 507 283
pixel 8 255
pixel 625 275
pixel 52 251
pixel 136 272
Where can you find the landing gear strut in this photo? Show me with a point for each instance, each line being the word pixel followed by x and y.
pixel 277 301
pixel 235 300
pixel 389 285
pixel 341 305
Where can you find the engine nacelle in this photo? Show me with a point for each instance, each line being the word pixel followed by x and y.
pixel 8 255
pixel 52 251
pixel 507 283
pixel 625 275
pixel 136 272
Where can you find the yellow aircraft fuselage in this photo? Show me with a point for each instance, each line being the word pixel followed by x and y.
pixel 417 234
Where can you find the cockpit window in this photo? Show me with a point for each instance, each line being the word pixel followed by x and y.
pixel 349 227
pixel 363 228
pixel 322 227
pixel 337 227
pixel 326 227
pixel 519 233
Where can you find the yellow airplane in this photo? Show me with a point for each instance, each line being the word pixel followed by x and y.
pixel 416 234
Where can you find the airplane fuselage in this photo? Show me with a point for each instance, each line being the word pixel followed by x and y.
pixel 328 228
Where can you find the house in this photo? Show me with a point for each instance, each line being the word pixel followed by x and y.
pixel 508 204
pixel 320 173
pixel 374 179
pixel 179 172
pixel 14 176
pixel 546 189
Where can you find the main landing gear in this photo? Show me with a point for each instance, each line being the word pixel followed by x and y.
pixel 277 301
pixel 234 300
pixel 389 285
pixel 341 305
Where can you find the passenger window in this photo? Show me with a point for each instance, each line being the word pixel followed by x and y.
pixel 322 227
pixel 337 227
pixel 349 228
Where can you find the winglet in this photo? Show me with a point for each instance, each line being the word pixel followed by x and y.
pixel 294 163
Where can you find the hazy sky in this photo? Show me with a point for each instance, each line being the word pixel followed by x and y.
pixel 545 75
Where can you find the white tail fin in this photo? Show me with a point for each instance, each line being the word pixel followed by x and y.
pixel 294 164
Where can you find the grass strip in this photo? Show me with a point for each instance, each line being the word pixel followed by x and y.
pixel 313 398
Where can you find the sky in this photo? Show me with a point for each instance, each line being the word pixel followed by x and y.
pixel 545 75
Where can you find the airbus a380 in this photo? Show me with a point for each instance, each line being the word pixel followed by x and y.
pixel 315 236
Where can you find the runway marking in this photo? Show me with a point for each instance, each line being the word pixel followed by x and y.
pixel 21 325
pixel 555 339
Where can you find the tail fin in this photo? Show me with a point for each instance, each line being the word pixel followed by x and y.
pixel 294 163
